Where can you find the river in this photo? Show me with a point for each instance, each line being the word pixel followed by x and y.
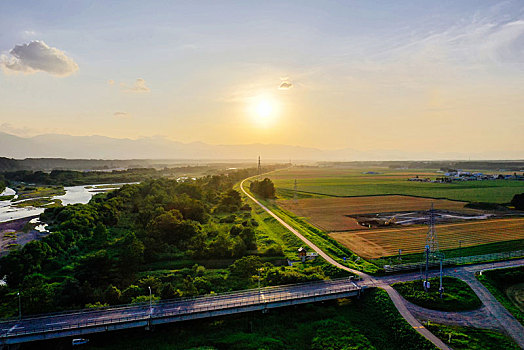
pixel 74 194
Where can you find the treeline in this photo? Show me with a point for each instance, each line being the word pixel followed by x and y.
pixel 73 177
pixel 264 188
pixel 112 249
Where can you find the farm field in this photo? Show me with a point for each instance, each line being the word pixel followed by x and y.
pixel 352 182
pixel 331 213
pixel 372 244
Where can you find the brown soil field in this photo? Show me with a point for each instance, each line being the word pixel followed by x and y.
pixel 371 244
pixel 330 214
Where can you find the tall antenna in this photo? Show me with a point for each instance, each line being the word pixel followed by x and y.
pixel 295 191
pixel 431 237
pixel 259 167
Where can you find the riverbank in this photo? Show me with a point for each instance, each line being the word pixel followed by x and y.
pixel 16 233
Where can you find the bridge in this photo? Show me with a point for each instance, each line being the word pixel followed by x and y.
pixel 84 322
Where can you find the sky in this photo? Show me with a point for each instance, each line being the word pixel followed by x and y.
pixel 365 75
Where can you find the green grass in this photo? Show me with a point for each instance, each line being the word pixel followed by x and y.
pixel 351 182
pixel 457 296
pixel 44 202
pixel 371 322
pixel 497 281
pixel 472 338
pixel 39 192
pixel 316 236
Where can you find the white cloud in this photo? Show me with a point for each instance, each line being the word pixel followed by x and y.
pixel 121 115
pixel 139 86
pixel 37 56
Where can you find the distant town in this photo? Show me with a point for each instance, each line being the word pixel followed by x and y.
pixel 459 175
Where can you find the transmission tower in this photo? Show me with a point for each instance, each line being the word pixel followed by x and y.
pixel 431 237
pixel 259 167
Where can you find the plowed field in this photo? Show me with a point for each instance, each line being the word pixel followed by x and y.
pixel 386 242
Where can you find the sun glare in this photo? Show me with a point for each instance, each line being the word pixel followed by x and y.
pixel 263 110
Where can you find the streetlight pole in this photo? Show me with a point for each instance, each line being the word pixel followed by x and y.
pixel 150 302
pixel 19 306
pixel 259 292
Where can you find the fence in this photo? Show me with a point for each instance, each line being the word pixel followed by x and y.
pixel 461 260
pixel 175 308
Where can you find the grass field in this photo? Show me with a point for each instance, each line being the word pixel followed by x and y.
pixel 331 213
pixel 457 296
pixel 372 244
pixel 507 286
pixel 472 338
pixel 352 182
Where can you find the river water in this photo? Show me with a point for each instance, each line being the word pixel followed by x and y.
pixel 74 194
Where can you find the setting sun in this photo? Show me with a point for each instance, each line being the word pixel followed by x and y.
pixel 263 110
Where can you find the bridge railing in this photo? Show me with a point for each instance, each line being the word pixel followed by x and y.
pixel 231 294
pixel 176 308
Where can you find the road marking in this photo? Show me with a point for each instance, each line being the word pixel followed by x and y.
pixel 12 328
pixel 49 324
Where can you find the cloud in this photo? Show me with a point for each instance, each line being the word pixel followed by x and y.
pixel 139 86
pixel 37 56
pixel 121 115
pixel 285 85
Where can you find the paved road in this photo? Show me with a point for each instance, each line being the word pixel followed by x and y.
pixel 494 308
pixel 367 279
pixel 512 327
pixel 88 318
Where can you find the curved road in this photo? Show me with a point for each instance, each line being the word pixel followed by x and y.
pixel 496 311
pixel 393 294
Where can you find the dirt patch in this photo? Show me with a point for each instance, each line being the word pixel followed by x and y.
pixel 12 234
pixel 335 214
pixel 386 242
pixel 516 294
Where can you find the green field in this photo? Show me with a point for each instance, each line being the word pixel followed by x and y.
pixel 472 338
pixel 457 296
pixel 506 286
pixel 352 182
pixel 372 322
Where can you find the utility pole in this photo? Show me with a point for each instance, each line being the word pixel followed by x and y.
pixel 427 268
pixel 19 306
pixel 259 167
pixel 441 288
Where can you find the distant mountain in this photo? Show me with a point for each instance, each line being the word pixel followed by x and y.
pixel 101 147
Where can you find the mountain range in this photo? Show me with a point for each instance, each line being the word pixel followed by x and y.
pixel 102 147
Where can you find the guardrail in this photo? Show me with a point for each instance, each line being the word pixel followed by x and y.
pixel 174 308
pixel 461 260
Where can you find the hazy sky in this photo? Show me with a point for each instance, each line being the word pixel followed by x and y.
pixel 423 75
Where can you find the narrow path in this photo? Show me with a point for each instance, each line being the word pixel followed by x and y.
pixel 512 327
pixel 393 294
pixel 479 318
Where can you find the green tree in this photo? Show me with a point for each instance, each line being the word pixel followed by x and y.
pixel 518 201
